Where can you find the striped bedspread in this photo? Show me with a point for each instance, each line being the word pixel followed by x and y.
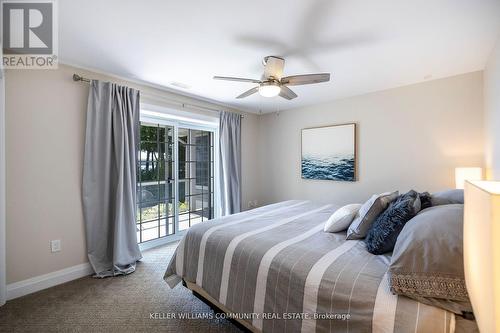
pixel 276 268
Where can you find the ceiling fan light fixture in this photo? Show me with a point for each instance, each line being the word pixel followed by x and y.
pixel 272 82
pixel 269 89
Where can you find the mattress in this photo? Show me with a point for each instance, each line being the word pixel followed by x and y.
pixel 275 269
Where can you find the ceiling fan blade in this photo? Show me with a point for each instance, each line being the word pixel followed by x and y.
pixel 287 93
pixel 249 92
pixel 238 79
pixel 296 80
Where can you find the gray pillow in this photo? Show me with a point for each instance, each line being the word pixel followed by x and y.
pixel 427 261
pixel 368 213
pixel 447 197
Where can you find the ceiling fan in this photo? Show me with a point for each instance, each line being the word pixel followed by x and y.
pixel 272 82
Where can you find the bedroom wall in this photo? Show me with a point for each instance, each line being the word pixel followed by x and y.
pixel 408 137
pixel 492 112
pixel 45 118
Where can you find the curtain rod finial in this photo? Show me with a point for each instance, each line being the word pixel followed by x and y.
pixel 77 78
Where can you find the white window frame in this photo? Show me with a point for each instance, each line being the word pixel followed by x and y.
pixel 170 117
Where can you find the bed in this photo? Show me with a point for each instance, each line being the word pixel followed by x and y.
pixel 275 270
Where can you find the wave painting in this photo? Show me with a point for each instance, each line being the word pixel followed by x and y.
pixel 328 168
pixel 328 153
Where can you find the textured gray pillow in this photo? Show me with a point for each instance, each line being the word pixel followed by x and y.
pixel 447 197
pixel 427 261
pixel 368 213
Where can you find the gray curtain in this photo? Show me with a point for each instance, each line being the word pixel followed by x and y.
pixel 230 162
pixel 109 178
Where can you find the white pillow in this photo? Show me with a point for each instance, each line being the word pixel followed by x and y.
pixel 342 218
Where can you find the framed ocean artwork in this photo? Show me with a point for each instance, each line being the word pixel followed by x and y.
pixel 329 153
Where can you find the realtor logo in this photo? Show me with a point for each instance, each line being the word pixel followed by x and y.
pixel 29 34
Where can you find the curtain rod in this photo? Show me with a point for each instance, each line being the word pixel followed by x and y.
pixel 80 78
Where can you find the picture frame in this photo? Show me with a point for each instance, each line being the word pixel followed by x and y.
pixel 329 152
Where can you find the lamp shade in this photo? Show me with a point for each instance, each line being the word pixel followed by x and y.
pixel 482 251
pixel 463 174
pixel 269 90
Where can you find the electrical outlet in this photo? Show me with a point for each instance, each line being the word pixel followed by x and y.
pixel 252 204
pixel 55 245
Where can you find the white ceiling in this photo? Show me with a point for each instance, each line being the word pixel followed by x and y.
pixel 366 45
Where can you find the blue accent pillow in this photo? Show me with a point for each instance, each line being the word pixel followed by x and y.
pixel 383 233
pixel 425 200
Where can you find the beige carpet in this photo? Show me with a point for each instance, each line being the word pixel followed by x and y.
pixel 120 304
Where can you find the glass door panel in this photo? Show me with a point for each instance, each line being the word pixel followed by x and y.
pixel 196 153
pixel 155 182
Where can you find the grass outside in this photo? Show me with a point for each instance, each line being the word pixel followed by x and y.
pixel 151 213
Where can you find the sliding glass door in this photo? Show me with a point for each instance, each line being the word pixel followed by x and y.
pixel 175 178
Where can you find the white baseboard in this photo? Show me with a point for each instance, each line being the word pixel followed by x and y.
pixel 28 286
